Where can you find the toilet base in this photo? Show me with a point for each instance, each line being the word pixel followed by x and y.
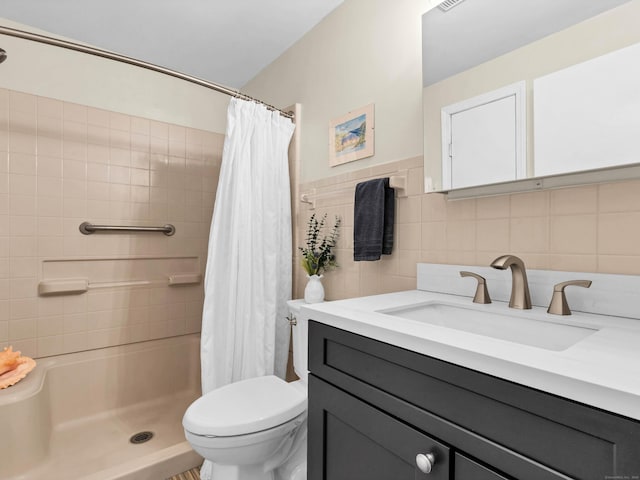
pixel 245 472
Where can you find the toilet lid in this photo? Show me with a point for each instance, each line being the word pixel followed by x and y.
pixel 245 407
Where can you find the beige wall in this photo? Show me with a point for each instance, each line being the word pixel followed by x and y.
pixel 96 82
pixel 599 35
pixel 64 163
pixel 591 229
pixel 594 228
pixel 366 51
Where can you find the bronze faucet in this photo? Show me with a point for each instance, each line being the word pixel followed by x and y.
pixel 482 293
pixel 559 305
pixel 520 297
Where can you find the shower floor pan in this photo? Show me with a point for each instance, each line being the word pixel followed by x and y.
pixel 85 435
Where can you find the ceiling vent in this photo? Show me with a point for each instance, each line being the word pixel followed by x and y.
pixel 449 4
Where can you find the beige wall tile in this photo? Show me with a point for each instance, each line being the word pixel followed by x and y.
pixel 458 210
pixel 530 204
pixel 619 233
pixel 118 121
pixel 493 235
pixel 49 107
pixel 461 235
pixel 486 258
pixel 96 116
pixel 409 210
pixel 49 166
pixel 574 263
pixel 49 146
pixel 48 326
pixel 22 163
pixel 21 309
pixel 76 342
pixel 493 207
pixel 619 264
pixel 22 184
pixel 530 235
pixel 22 143
pixel 415 181
pixel 120 139
pixel 60 163
pixel 48 128
pixel 619 196
pixel 573 234
pixel 538 261
pixel 22 102
pixel 461 257
pixel 49 346
pixel 407 236
pixel 571 201
pixel 434 207
pixel 434 236
pixel 74 113
pixel 49 187
pixel 22 205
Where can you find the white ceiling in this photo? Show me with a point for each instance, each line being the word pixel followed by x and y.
pixel 223 41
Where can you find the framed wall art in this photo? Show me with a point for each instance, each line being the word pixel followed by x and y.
pixel 351 136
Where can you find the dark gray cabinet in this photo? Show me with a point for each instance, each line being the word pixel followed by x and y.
pixel 373 407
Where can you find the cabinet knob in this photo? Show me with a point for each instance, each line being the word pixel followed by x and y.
pixel 425 462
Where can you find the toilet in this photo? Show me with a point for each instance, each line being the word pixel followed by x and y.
pixel 255 429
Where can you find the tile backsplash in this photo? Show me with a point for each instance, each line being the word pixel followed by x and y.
pixel 62 164
pixel 592 228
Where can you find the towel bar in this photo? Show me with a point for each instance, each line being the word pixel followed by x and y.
pixel 398 181
pixel 87 228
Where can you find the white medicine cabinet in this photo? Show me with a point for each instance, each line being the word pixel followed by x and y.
pixel 570 114
pixel 483 139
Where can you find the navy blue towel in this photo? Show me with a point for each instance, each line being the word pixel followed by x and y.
pixel 373 217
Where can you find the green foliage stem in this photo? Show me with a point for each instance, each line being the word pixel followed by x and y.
pixel 317 256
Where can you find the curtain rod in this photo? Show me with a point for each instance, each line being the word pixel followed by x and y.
pixel 12 32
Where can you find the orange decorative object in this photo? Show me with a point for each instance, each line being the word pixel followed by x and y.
pixel 13 367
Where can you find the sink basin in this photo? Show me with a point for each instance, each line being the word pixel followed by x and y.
pixel 503 326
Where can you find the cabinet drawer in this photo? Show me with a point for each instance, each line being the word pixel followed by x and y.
pixel 351 440
pixel 526 433
pixel 466 469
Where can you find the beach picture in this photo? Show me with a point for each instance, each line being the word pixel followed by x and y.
pixel 351 136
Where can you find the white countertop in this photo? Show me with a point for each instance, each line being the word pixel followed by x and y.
pixel 602 370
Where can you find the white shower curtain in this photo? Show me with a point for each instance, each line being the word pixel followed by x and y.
pixel 248 273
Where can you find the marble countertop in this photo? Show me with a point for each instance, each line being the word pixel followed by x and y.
pixel 601 370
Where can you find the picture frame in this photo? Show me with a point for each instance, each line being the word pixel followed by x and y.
pixel 351 136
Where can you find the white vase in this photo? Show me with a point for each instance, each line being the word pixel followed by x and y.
pixel 314 291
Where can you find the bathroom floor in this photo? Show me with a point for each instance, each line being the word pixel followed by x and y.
pixel 193 474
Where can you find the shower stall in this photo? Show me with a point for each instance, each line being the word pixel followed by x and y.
pixel 89 137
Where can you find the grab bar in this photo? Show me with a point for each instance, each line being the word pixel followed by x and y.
pixel 87 228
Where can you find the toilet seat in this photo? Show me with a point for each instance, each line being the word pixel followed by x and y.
pixel 245 407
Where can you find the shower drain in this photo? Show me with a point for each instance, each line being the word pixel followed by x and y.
pixel 141 437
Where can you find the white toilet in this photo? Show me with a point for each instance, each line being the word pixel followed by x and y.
pixel 250 428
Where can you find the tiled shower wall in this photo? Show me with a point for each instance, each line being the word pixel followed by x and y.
pixel 592 228
pixel 62 164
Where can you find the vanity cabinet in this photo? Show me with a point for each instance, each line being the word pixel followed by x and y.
pixel 373 407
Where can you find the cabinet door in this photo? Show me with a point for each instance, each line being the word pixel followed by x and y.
pixel 483 139
pixel 522 432
pixel 466 469
pixel 350 440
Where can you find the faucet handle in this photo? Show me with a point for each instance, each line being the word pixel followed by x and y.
pixel 482 294
pixel 559 305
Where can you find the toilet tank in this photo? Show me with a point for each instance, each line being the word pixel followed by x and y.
pixel 300 337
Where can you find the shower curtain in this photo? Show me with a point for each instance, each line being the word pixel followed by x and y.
pixel 248 272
